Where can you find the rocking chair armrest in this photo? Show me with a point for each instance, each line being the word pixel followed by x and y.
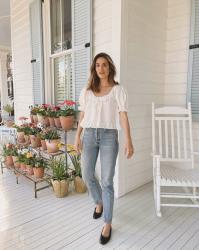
pixel 155 155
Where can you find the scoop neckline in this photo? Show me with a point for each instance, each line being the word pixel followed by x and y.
pixel 106 94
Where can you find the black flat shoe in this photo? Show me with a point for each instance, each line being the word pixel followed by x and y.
pixel 103 239
pixel 97 215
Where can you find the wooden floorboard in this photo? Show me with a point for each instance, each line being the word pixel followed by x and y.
pixel 51 223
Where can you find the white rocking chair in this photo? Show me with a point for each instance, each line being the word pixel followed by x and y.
pixel 173 144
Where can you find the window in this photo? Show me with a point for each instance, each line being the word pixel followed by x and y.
pixel 193 74
pixel 61 54
pixel 70 50
pixel 61 29
pixel 63 78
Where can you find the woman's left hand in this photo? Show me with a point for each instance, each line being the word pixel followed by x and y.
pixel 129 150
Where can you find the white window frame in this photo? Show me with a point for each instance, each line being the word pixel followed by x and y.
pixel 49 57
pixel 52 58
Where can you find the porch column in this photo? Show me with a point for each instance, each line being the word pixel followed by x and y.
pixel 3 80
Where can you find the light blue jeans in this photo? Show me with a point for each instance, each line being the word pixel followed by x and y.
pixel 105 141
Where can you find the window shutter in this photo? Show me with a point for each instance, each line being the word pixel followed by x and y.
pixel 81 43
pixel 37 52
pixel 193 73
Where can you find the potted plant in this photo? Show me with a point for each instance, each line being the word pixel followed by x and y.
pixel 21 161
pixel 34 138
pixel 39 166
pixel 33 113
pixel 15 156
pixel 51 113
pixel 52 139
pixel 60 177
pixel 10 110
pixel 29 161
pixel 80 186
pixel 7 153
pixel 20 133
pixel 41 136
pixel 57 117
pixel 67 115
pixel 42 114
pixel 27 132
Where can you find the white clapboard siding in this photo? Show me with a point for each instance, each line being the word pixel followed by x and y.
pixel 102 26
pixel 142 74
pixel 21 55
pixel 37 51
pixel 177 49
pixel 81 43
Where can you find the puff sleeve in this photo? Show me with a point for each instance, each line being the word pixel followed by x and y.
pixel 121 98
pixel 82 100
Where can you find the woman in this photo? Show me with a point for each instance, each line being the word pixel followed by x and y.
pixel 102 104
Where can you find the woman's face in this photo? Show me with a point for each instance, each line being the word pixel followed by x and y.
pixel 102 68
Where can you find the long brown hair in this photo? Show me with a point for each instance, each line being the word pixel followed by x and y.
pixel 94 80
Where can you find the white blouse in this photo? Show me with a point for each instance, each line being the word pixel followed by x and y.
pixel 102 111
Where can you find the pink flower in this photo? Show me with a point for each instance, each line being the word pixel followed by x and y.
pixel 68 103
pixel 9 145
pixel 45 106
pixel 56 108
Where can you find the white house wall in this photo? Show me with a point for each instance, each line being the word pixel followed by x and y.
pixel 106 38
pixel 107 29
pixel 177 47
pixel 142 73
pixel 21 52
pixel 102 26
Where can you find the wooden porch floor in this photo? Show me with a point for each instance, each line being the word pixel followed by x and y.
pixel 51 223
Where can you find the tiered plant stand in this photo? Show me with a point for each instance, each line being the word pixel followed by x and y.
pixel 36 181
pixel 47 156
pixel 46 179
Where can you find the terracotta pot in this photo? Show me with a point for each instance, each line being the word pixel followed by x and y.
pixel 40 118
pixel 31 119
pixel 27 139
pixel 35 141
pixel 43 120
pixel 46 122
pixel 29 170
pixel 35 118
pixel 80 186
pixel 23 166
pixel 20 137
pixel 57 122
pixel 51 121
pixel 52 145
pixel 9 161
pixel 38 172
pixel 43 145
pixel 60 188
pixel 67 122
pixel 15 159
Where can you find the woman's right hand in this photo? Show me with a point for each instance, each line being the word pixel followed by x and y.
pixel 78 145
